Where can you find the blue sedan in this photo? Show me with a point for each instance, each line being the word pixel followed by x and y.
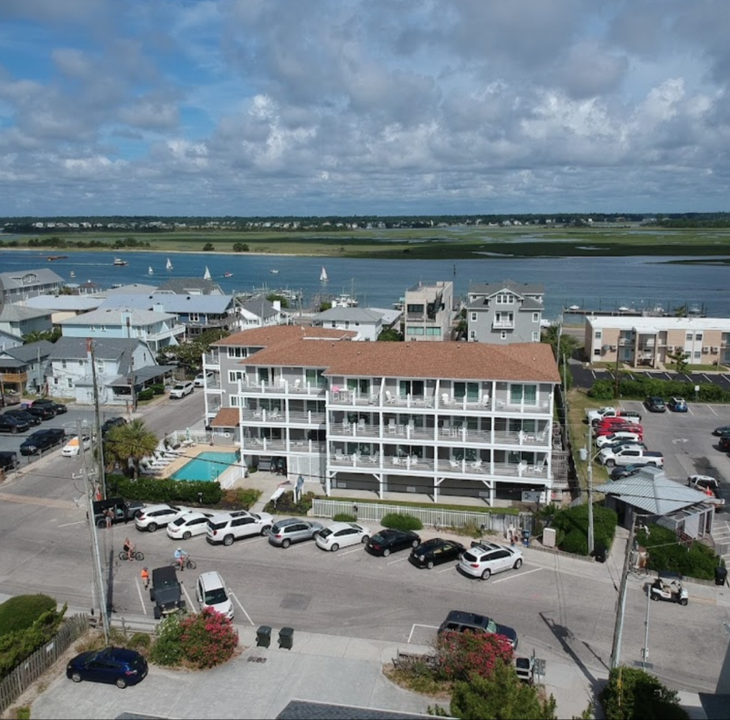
pixel 111 665
pixel 677 404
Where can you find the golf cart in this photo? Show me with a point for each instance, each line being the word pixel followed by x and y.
pixel 668 586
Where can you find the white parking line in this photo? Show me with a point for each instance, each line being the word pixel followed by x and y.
pixel 189 599
pixel 141 599
pixel 438 572
pixel 348 552
pixel 514 577
pixel 392 562
pixel 243 609
pixel 415 625
pixel 713 411
pixel 78 522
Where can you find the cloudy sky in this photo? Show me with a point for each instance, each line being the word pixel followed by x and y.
pixel 313 107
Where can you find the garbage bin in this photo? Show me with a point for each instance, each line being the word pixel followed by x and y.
pixel 286 638
pixel 720 575
pixel 599 553
pixel 263 636
pixel 525 537
pixel 583 453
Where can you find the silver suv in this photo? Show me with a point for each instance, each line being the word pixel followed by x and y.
pixel 285 532
pixel 485 558
pixel 227 527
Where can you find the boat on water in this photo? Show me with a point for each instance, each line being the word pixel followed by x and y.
pixel 150 271
pixel 345 300
pixel 72 274
pixel 274 272
pixel 168 265
pixel 228 274
pixel 119 262
pixel 51 258
pixel 323 275
pixel 207 275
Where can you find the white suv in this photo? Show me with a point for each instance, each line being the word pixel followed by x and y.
pixel 210 592
pixel 227 527
pixel 154 516
pixel 484 558
pixel 181 389
pixel 202 378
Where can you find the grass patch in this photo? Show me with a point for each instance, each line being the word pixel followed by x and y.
pixel 436 506
pixel 419 678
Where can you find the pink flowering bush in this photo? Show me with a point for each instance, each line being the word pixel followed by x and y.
pixel 207 639
pixel 462 655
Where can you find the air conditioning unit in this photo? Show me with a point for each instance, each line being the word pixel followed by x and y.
pixel 613 348
pixel 705 350
pixel 605 348
pixel 715 349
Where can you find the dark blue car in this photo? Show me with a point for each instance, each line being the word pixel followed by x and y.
pixel 111 665
pixel 677 404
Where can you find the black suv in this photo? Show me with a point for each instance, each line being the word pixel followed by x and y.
pixel 42 440
pixel 44 411
pixel 655 404
pixel 8 460
pixel 461 621
pixel 166 591
pixel 25 416
pixel 57 407
pixel 12 424
pixel 123 511
pixel 724 443
pixel 112 423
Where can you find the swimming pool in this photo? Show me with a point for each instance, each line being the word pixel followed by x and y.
pixel 207 467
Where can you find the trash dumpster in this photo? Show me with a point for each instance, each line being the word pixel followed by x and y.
pixel 720 575
pixel 263 636
pixel 286 638
pixel 525 537
pixel 599 553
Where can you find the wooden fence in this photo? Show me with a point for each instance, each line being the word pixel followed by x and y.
pixel 34 666
pixel 430 517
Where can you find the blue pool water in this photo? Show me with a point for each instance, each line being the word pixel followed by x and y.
pixel 207 467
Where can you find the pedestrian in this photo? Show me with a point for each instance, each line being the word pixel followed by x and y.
pixel 145 575
pixel 109 517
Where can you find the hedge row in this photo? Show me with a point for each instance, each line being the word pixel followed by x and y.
pixel 572 528
pixel 159 490
pixel 665 553
pixel 644 386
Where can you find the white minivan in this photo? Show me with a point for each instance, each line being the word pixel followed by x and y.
pixel 210 592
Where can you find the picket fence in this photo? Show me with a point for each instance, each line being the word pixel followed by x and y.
pixel 430 517
pixel 13 686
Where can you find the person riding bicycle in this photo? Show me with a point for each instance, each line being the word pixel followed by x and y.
pixel 128 548
pixel 180 557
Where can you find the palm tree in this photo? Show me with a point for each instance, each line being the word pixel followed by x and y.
pixel 128 444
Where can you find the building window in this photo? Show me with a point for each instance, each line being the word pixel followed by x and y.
pixel 69 382
pixel 234 400
pixel 505 299
pixel 194 317
pixel 235 375
pixel 433 331
pixel 414 309
pixel 598 334
pixel 81 363
pixel 526 394
pixel 689 337
pixel 63 364
pixel 698 336
pixel 536 336
pixel 697 355
pixel 535 317
pixel 414 331
pixel 472 335
pixel 55 381
pixel 237 352
pixel 474 317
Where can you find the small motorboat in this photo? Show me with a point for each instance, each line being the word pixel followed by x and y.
pixel 119 262
pixel 228 274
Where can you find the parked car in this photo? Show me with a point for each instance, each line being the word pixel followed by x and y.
pixel 166 591
pixel 341 534
pixel 25 416
pixel 677 404
pixel 10 397
pixel 210 592
pixel 611 429
pixel 724 443
pixel 112 423
pixel 202 378
pixel 73 447
pixel 123 511
pixel 436 551
pixel 461 621
pixel 483 559
pixel 227 527
pixel 181 389
pixel 188 525
pixel 12 424
pixel 722 430
pixel 44 412
pixel 8 460
pixel 292 530
pixel 57 407
pixel 622 471
pixel 42 440
pixel 111 665
pixel 619 435
pixel 391 540
pixel 703 482
pixel 655 404
pixel 157 516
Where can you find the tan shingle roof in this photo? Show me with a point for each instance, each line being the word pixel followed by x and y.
pixel 300 347
pixel 226 417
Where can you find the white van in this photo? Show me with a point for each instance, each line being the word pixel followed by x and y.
pixel 210 592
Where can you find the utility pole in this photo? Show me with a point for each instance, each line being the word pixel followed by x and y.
pixel 621 608
pixel 98 576
pixel 97 420
pixel 590 488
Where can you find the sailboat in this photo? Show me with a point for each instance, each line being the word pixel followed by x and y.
pixel 72 274
pixel 150 271
pixel 207 274
pixel 168 265
pixel 323 275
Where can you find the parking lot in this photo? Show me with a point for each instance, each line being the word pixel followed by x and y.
pixel 585 377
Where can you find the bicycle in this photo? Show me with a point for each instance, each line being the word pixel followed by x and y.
pixel 187 563
pixel 134 555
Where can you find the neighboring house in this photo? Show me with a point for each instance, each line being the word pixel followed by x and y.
pixel 191 286
pixel 63 306
pixel 260 312
pixel 132 289
pixel 19 321
pixel 24 367
pixel 197 313
pixel 24 284
pixel 368 324
pixel 652 496
pixel 428 312
pixel 7 340
pixel 123 368
pixel 504 313
pixel 158 329
pixel 438 419
pixel 649 341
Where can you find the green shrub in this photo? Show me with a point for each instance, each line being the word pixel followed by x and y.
pixel 286 505
pixel 139 641
pixel 240 498
pixel 157 389
pixel 665 553
pixel 22 712
pixel 344 517
pixel 634 693
pixel 159 490
pixel 146 394
pixel 21 611
pixel 167 649
pixel 401 521
pixel 571 525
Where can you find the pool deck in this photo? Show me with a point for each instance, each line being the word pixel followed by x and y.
pixel 191 453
